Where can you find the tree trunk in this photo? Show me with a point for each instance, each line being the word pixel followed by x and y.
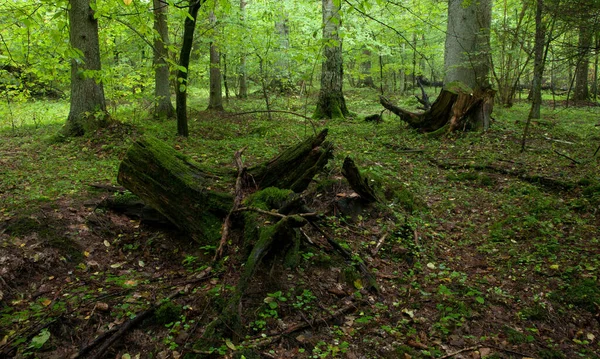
pixel 197 199
pixel 468 43
pixel 88 106
pixel 331 102
pixel 581 76
pixel 184 64
pixel 455 109
pixel 243 76
pixel 215 99
pixel 538 64
pixel 163 108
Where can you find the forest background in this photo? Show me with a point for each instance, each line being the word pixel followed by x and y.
pixel 482 244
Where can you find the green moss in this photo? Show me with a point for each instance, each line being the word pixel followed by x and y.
pixel 167 313
pixel 268 198
pixel 457 87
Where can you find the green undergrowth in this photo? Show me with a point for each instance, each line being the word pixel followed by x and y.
pixel 468 257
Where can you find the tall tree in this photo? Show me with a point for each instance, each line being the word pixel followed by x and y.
pixel 468 42
pixel 184 63
pixel 243 75
pixel 581 92
pixel 163 108
pixel 88 105
pixel 331 102
pixel 215 99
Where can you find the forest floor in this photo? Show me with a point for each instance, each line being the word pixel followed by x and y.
pixel 480 251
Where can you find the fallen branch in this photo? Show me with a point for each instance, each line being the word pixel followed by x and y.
pixel 469 349
pixel 239 196
pixel 118 334
pixel 277 111
pixel 274 214
pixel 263 342
pixel 533 179
pixel 567 157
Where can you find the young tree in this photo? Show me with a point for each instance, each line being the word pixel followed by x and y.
pixel 163 108
pixel 331 102
pixel 215 100
pixel 184 62
pixel 88 106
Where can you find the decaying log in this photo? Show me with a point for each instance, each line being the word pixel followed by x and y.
pixel 358 182
pixel 295 167
pixel 177 187
pixel 456 108
pixel 196 198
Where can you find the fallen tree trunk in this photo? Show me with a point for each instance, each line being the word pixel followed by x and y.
pixel 197 199
pixel 456 108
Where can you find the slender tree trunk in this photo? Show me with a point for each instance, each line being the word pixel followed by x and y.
pixel 88 105
pixel 215 100
pixel 163 108
pixel 243 76
pixel 466 57
pixel 581 76
pixel 538 70
pixel 184 63
pixel 331 102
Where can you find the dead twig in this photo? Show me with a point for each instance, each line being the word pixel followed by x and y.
pixel 469 349
pixel 239 196
pixel 263 342
pixel 274 214
pixel 118 334
pixel 567 157
pixel 379 244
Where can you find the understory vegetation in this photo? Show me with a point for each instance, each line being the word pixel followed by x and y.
pixel 478 250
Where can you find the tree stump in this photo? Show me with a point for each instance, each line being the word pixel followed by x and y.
pixel 457 108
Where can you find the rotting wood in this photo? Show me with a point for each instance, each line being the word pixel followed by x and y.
pixel 358 182
pixel 456 108
pixel 196 198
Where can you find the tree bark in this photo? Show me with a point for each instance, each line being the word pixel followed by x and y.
pixel 215 99
pixel 163 108
pixel 331 102
pixel 184 64
pixel 538 64
pixel 197 199
pixel 88 105
pixel 466 57
pixel 581 92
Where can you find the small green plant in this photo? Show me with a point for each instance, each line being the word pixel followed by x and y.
pixel 304 300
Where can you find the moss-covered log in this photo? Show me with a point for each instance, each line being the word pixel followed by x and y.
pixel 197 199
pixel 295 167
pixel 177 187
pixel 456 108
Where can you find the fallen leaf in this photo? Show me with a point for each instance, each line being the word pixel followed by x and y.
pixel 230 345
pixel 46 302
pixel 106 243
